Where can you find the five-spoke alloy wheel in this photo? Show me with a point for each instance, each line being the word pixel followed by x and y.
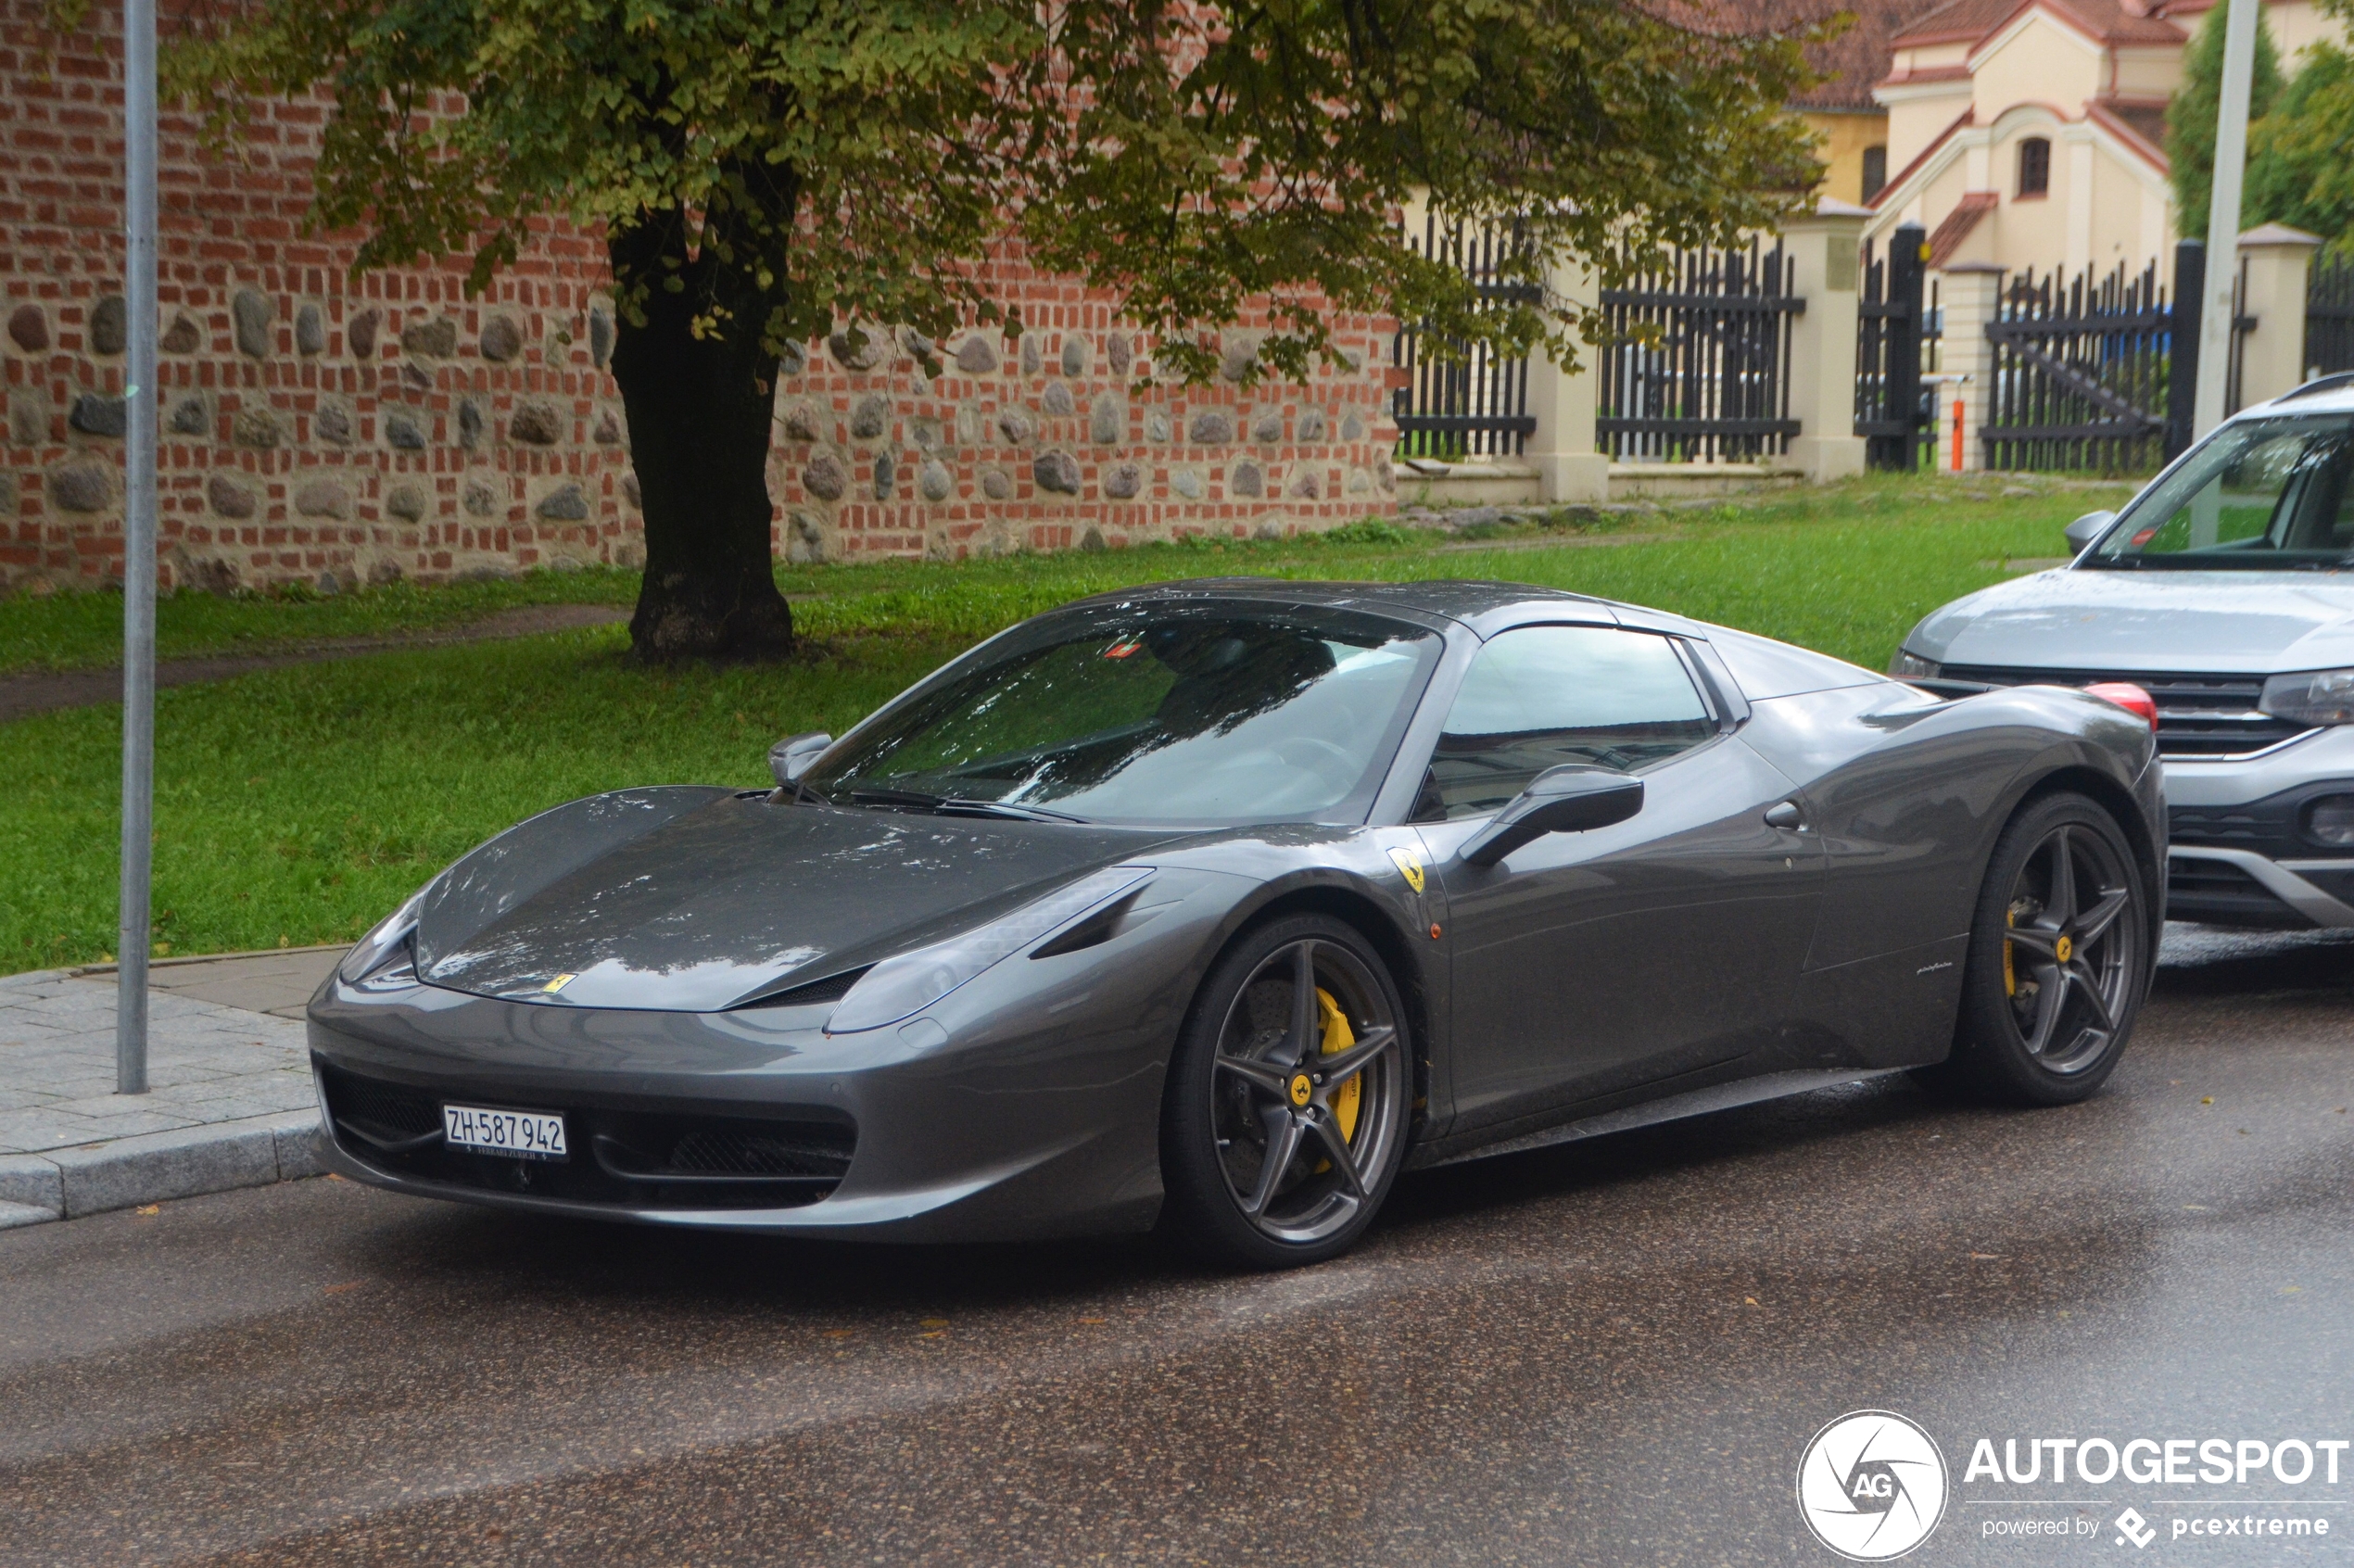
pixel 1286 1108
pixel 2058 958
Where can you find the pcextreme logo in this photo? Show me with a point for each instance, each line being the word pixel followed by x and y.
pixel 1871 1486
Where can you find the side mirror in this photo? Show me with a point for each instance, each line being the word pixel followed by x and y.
pixel 790 757
pixel 1570 799
pixel 2086 529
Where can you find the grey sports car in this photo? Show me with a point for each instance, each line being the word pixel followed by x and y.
pixel 1216 904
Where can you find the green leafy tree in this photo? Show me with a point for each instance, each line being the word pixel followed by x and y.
pixel 766 171
pixel 2297 170
pixel 2191 114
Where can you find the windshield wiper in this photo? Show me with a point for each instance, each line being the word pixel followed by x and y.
pixel 956 805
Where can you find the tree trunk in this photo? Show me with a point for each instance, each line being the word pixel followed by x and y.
pixel 698 414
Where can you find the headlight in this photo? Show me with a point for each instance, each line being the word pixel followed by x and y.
pixel 1912 666
pixel 378 944
pixel 2315 697
pixel 899 987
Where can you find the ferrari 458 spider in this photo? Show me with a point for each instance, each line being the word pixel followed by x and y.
pixel 1215 905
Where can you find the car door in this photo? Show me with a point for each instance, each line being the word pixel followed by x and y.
pixel 1584 963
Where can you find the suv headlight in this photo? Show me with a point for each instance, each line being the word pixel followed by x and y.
pixel 1912 666
pixel 2314 697
pixel 904 985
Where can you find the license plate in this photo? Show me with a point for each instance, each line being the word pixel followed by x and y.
pixel 520 1134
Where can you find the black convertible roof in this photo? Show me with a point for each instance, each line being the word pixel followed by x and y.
pixel 1482 606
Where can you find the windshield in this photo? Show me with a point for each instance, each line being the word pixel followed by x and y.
pixel 1222 713
pixel 2265 495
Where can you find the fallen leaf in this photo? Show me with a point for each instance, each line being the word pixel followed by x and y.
pixel 150 1208
pixel 935 1323
pixel 2196 1207
pixel 935 1333
pixel 2207 1099
pixel 1987 1257
pixel 1750 1299
pixel 2291 1290
pixel 1091 1320
pixel 339 1289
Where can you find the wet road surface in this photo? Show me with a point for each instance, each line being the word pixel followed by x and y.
pixel 1613 1352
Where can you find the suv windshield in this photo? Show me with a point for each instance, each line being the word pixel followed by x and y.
pixel 2264 495
pixel 1217 713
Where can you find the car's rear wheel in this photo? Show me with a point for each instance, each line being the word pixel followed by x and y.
pixel 2058 958
pixel 1285 1114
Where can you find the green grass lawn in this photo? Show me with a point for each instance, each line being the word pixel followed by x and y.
pixel 298 806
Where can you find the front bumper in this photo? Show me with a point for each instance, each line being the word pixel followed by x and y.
pixel 2239 853
pixel 1022 1106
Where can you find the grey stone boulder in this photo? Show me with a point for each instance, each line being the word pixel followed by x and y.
pixel 600 339
pixel 1016 425
pixel 1057 404
pixel 563 504
pixel 824 477
pixel 406 503
pixel 405 431
pixel 538 423
pixel 29 328
pixel 1057 471
pixel 311 330
pixel 975 357
pixel 109 325
pixel 869 417
pixel 1246 480
pixel 1107 421
pixel 228 497
pixel 360 333
pixel 1211 427
pixel 935 480
pixel 469 424
pixel 322 497
pixel 502 339
pixel 257 429
pixel 1269 429
pixel 1123 482
pixel 432 339
pixel 1074 356
pixel 183 337
pixel 250 314
pixel 94 414
pixel 81 487
pixel 190 417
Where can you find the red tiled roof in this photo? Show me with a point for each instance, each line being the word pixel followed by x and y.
pixel 1957 225
pixel 2110 21
pixel 1850 64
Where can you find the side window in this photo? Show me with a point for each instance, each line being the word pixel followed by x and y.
pixel 1541 696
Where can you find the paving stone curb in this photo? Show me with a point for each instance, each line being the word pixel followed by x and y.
pixel 156 1166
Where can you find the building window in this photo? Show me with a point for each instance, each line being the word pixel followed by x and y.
pixel 1875 171
pixel 2034 167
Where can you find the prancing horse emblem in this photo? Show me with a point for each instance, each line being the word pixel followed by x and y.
pixel 1408 867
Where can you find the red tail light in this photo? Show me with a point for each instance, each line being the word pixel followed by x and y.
pixel 2128 696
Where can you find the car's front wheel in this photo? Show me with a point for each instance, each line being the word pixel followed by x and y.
pixel 2058 958
pixel 1285 1118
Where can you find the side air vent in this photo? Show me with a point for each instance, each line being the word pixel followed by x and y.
pixel 833 988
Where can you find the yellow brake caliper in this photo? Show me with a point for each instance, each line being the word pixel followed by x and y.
pixel 1340 1037
pixel 2010 977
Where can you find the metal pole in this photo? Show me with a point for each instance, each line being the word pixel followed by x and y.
pixel 138 549
pixel 2223 217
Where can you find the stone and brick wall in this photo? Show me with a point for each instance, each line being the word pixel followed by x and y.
pixel 314 425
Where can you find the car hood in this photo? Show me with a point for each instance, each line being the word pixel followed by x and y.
pixel 731 897
pixel 2232 623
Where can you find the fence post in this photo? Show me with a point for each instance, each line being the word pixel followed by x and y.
pixel 1971 293
pixel 1562 447
pixel 1822 248
pixel 1901 373
pixel 2279 262
pixel 2181 346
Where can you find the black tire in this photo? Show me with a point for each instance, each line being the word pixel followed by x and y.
pixel 2045 1023
pixel 1244 1085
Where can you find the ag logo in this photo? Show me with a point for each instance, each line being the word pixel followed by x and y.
pixel 1871 1486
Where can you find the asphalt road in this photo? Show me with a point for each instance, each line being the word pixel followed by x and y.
pixel 1611 1353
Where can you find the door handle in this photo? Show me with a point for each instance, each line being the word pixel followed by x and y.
pixel 1786 815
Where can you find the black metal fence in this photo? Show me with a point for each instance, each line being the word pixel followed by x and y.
pixel 2329 316
pixel 1695 359
pixel 2081 378
pixel 1472 402
pixel 1897 328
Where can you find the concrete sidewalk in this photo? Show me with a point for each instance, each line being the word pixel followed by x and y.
pixel 229 1102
